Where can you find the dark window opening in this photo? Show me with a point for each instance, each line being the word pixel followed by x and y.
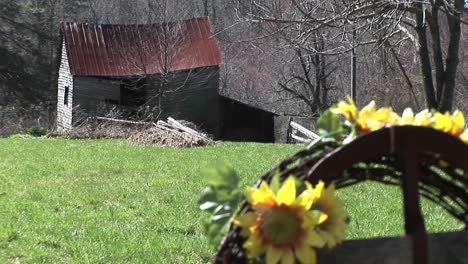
pixel 65 98
pixel 111 101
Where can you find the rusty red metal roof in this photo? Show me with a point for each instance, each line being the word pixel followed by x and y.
pixel 127 50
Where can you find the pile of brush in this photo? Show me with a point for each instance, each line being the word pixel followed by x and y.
pixel 170 133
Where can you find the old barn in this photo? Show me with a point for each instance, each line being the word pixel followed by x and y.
pixel 170 69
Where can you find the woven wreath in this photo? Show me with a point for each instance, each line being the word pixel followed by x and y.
pixel 280 224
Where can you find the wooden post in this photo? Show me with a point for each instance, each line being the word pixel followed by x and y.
pixel 414 221
pixel 353 67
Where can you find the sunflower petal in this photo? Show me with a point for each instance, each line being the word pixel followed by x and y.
pixel 384 114
pixel 305 254
pixel 329 239
pixel 442 122
pixel 313 218
pixel 253 195
pixel 458 122
pixel 422 118
pixel 317 191
pixel 247 221
pixel 314 239
pixel 348 110
pixel 258 196
pixel 288 257
pixel 464 136
pixel 253 247
pixel 350 101
pixel 407 118
pixel 273 255
pixel 287 192
pixel 367 111
pixel 305 200
pixel 458 118
pixel 371 125
pixel 265 188
pixel 322 218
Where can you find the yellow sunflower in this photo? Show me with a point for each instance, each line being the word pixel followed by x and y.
pixel 422 118
pixel 380 118
pixel 282 226
pixel 368 118
pixel 333 229
pixel 365 116
pixel 452 124
pixel 348 110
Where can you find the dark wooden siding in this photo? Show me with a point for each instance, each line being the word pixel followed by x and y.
pixel 91 94
pixel 241 122
pixel 192 96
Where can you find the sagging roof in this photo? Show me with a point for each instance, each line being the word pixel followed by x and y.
pixel 127 50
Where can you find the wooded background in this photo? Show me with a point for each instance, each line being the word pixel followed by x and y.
pixel 292 57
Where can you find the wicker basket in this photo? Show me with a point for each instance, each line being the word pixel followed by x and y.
pixel 422 161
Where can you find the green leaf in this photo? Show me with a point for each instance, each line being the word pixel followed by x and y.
pixel 208 206
pixel 221 218
pixel 328 123
pixel 224 194
pixel 236 197
pixel 213 232
pixel 208 195
pixel 219 210
pixel 300 185
pixel 221 175
pixel 275 183
pixel 354 133
pixel 220 198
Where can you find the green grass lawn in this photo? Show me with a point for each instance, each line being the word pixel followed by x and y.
pixel 104 201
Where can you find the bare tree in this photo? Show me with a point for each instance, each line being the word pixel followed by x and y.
pixel 310 80
pixel 376 23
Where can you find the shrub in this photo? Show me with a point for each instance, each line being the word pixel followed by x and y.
pixel 20 136
pixel 37 131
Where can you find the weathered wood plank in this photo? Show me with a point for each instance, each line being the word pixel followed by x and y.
pixel 304 130
pixel 298 138
pixel 444 248
pixel 124 121
pixel 188 130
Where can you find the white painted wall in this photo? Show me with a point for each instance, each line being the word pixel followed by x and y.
pixel 64 111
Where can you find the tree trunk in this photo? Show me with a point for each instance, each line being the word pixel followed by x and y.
pixel 437 49
pixel 353 68
pixel 425 61
pixel 446 100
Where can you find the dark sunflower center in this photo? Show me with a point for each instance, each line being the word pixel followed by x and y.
pixel 281 226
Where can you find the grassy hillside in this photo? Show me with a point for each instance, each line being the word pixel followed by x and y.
pixel 103 201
